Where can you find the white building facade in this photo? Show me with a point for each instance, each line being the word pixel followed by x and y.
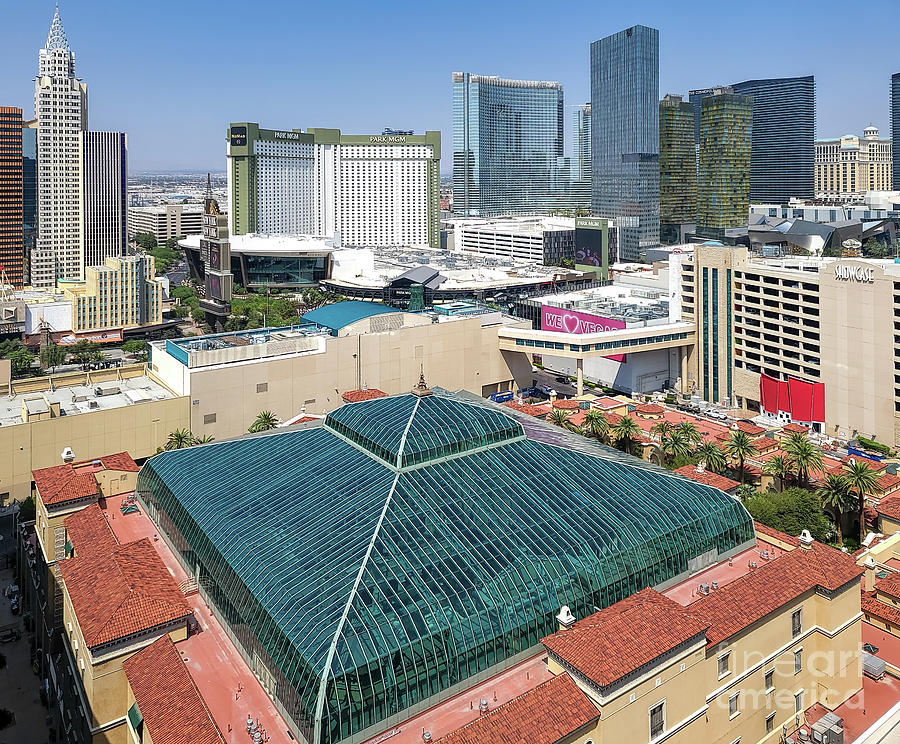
pixel 370 190
pixel 60 106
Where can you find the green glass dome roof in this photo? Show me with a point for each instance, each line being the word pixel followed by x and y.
pixel 366 589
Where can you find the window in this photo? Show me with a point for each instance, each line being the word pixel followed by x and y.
pixel 209 418
pixel 262 387
pixel 724 660
pixel 798 701
pixel 733 705
pixel 657 719
pixel 798 661
pixel 770 679
pixel 770 722
pixel 796 623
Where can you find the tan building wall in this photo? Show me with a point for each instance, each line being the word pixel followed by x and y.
pixel 458 354
pixel 137 429
pixel 853 165
pixel 697 697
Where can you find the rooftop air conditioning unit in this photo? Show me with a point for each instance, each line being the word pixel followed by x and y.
pixel 704 588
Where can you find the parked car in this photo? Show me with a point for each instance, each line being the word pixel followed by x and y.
pixel 9 635
pixel 563 378
pixel 545 390
pixel 11 591
pixel 14 605
pixel 502 397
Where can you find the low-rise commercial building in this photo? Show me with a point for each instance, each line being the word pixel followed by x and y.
pixel 166 221
pixel 536 240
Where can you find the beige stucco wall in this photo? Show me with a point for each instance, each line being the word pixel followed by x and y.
pixel 459 354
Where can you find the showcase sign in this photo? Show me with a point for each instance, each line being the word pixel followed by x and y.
pixel 560 320
pixel 850 273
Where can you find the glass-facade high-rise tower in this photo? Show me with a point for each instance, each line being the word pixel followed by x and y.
pixel 507 139
pixel 783 144
pixel 677 168
pixel 895 127
pixel 625 136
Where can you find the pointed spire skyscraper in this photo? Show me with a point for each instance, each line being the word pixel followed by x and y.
pixel 60 107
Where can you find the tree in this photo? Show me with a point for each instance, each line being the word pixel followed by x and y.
pixel 27 510
pixel 134 346
pixel 265 421
pixel 791 511
pixel 20 361
pixel 83 351
pixel 675 446
pixel 835 494
pixel 803 456
pixel 689 431
pixel 780 467
pixel 713 456
pixel 661 429
pixel 146 241
pixel 625 432
pixel 52 356
pixel 559 417
pixel 179 439
pixel 205 439
pixel 863 481
pixel 739 447
pixel 595 424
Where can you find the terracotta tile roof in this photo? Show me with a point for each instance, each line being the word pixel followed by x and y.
pixel 874 607
pixel 173 709
pixel 795 428
pixel 748 427
pixel 89 532
pixel 776 534
pixel 72 481
pixel 567 404
pixel 526 408
pixel 355 396
pixel 889 506
pixel 650 409
pixel 122 592
pixel 764 444
pixel 887 482
pixel 873 464
pixel 889 585
pixel 751 597
pixel 707 477
pixel 623 637
pixel 545 715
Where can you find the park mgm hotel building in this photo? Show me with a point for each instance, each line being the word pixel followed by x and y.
pixel 370 190
pixel 815 341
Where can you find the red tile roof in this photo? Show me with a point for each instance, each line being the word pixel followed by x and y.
pixel 764 444
pixel 889 585
pixel 172 707
pixel 650 409
pixel 526 408
pixel 550 712
pixel 776 534
pixel 795 428
pixel 707 477
pixel 748 427
pixel 72 481
pixel 122 592
pixel 889 506
pixel 89 532
pixel 887 482
pixel 874 607
pixel 751 597
pixel 623 637
pixel 567 404
pixel 606 403
pixel 355 396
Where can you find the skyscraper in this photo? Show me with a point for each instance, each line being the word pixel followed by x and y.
pixel 677 168
pixel 625 136
pixel 723 179
pixel 60 106
pixel 783 145
pixel 104 195
pixel 895 127
pixel 12 247
pixel 581 141
pixel 507 136
pixel 29 192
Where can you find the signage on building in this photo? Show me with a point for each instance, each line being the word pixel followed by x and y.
pixel 850 273
pixel 590 223
pixel 238 136
pixel 560 320
pixel 287 135
pixel 387 139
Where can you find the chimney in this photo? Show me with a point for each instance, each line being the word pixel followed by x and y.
pixel 806 540
pixel 869 565
pixel 565 617
pixel 67 455
pixel 553 396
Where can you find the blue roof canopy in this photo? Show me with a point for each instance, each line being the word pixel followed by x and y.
pixel 340 314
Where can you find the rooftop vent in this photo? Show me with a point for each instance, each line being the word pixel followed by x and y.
pixel 805 539
pixel 67 455
pixel 565 617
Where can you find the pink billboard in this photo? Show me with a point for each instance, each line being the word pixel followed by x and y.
pixel 561 320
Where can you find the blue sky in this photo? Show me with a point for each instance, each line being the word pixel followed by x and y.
pixel 173 74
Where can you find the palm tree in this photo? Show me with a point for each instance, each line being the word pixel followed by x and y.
pixel 712 455
pixel 689 431
pixel 265 421
pixel 675 446
pixel 179 439
pixel 559 417
pixel 835 493
pixel 595 424
pixel 661 429
pixel 803 456
pixel 780 467
pixel 625 432
pixel 863 481
pixel 739 446
pixel 205 439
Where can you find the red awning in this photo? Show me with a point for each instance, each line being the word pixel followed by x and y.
pixel 801 399
pixel 768 393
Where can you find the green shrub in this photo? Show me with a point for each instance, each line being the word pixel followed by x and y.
pixel 871 444
pixel 792 511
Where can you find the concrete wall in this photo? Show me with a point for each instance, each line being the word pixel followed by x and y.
pixel 641 372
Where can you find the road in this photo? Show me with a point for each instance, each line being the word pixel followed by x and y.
pixel 542 377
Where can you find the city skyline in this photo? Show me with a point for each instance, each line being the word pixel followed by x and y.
pixel 411 88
